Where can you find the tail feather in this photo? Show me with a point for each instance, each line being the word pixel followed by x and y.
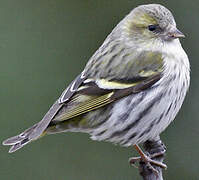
pixel 33 132
pixel 20 140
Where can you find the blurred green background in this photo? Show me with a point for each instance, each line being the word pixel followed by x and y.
pixel 44 44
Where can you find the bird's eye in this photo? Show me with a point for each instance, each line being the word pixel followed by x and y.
pixel 152 27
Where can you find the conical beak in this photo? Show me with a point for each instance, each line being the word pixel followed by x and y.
pixel 175 33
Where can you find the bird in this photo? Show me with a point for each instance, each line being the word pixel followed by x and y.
pixel 130 90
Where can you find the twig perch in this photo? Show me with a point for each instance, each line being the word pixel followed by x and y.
pixel 150 148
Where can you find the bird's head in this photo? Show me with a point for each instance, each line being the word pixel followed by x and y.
pixel 151 22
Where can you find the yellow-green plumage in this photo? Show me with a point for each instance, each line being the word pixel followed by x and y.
pixel 85 106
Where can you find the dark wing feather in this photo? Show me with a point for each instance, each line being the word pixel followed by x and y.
pixel 72 88
pixel 93 97
pixel 147 83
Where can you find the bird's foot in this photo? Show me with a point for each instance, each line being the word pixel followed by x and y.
pixel 148 160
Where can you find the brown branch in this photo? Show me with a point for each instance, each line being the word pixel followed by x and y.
pixel 150 148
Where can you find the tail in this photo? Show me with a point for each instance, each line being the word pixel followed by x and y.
pixel 20 140
pixel 33 132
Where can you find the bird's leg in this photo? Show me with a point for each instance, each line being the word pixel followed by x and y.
pixel 148 159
